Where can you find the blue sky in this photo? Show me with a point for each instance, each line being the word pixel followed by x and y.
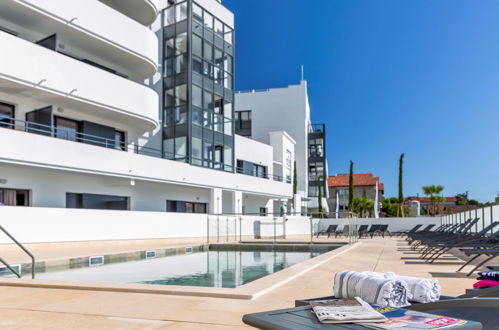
pixel 387 76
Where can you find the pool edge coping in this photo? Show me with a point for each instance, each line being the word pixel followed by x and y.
pixel 249 291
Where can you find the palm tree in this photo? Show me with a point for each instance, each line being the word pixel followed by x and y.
pixel 362 204
pixel 433 192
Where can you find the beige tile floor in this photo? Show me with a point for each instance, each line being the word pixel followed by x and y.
pixel 33 308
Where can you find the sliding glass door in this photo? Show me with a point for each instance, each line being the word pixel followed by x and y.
pixel 6 115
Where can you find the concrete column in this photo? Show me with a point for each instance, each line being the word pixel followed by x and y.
pixel 237 202
pixel 270 207
pixel 216 201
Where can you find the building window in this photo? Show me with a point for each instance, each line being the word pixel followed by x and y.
pixel 249 168
pixel 185 207
pixel 14 197
pixel 289 165
pixel 243 124
pixel 66 129
pixel 315 171
pixel 119 140
pixel 316 147
pixel 208 105
pixel 6 115
pixel 96 201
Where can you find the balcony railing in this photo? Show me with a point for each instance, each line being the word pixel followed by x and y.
pixel 279 178
pixel 317 128
pixel 70 135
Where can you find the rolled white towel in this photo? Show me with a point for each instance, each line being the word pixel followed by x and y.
pixel 373 288
pixel 423 290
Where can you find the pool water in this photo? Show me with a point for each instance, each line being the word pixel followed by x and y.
pixel 225 268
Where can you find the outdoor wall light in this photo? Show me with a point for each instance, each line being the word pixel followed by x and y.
pixel 132 182
pixel 41 82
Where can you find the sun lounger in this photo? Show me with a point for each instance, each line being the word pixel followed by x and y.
pixel 331 229
pixel 479 240
pixel 373 230
pixel 490 252
pixel 345 231
pixel 362 230
pixel 407 232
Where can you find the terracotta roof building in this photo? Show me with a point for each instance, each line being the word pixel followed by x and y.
pixel 364 186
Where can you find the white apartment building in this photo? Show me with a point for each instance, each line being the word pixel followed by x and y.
pixel 288 109
pixel 129 105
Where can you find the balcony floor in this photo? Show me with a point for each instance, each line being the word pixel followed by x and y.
pixel 41 308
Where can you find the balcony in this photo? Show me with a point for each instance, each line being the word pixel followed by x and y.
pixel 143 11
pixel 92 154
pixel 42 74
pixel 257 174
pixel 88 27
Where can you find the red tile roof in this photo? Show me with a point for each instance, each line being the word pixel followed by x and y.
pixel 359 179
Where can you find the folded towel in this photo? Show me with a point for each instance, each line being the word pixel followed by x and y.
pixel 488 275
pixel 485 284
pixel 374 288
pixel 423 290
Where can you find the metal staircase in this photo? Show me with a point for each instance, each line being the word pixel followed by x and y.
pixel 22 248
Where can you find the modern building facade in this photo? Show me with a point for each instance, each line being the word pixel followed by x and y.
pixel 128 105
pixel 364 185
pixel 258 112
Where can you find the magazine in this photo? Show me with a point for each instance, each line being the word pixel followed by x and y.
pixel 345 311
pixel 398 318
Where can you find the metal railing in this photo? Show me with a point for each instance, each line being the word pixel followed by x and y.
pixel 70 135
pixel 274 177
pixel 275 227
pixel 487 216
pixel 225 227
pixel 22 248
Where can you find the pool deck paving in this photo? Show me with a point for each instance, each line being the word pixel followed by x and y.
pixel 48 308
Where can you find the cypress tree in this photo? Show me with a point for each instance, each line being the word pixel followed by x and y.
pixel 350 188
pixel 295 179
pixel 319 196
pixel 401 191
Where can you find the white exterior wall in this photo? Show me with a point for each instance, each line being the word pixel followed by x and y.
pixel 86 28
pixel 49 187
pixel 282 143
pixel 42 151
pixel 33 77
pixel 254 151
pixel 281 109
pixel 33 225
pixel 75 84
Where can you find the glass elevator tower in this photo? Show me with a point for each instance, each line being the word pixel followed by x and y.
pixel 198 86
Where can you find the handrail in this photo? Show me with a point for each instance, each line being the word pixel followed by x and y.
pixel 10 268
pixel 22 248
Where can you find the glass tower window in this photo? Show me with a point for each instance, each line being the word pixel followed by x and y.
pixel 198 87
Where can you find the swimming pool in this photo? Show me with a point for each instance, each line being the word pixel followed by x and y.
pixel 219 266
